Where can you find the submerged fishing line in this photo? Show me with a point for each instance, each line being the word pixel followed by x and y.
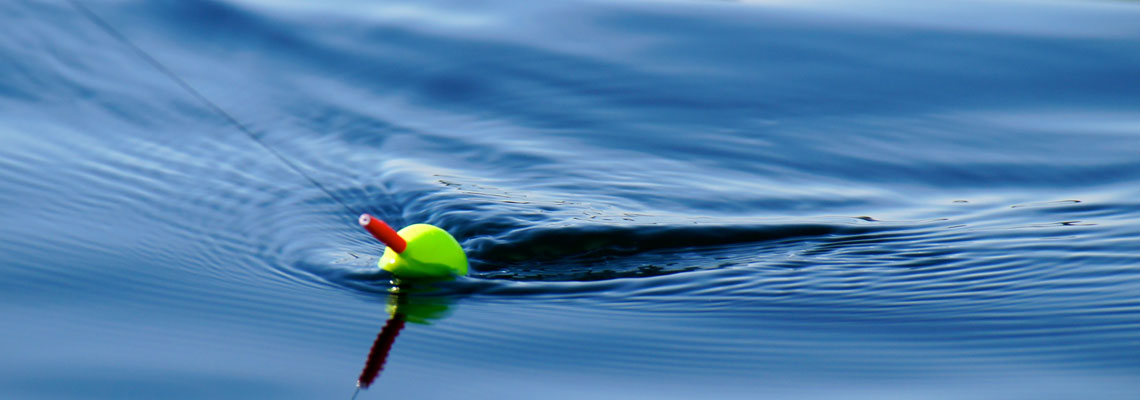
pixel 105 26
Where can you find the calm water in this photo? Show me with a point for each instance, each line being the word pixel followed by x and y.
pixel 661 199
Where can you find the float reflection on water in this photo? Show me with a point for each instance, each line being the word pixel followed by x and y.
pixel 402 307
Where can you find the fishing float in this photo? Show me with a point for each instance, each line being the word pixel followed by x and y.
pixel 418 251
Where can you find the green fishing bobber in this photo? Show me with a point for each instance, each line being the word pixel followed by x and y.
pixel 419 251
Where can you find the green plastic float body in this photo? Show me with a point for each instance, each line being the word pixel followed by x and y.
pixel 418 251
pixel 431 253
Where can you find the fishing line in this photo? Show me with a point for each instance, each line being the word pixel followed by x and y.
pixel 110 30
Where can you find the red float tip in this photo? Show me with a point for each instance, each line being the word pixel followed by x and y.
pixel 383 232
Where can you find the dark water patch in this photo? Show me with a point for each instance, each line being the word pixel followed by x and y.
pixel 544 245
pixel 600 252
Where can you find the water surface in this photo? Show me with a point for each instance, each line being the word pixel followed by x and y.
pixel 660 199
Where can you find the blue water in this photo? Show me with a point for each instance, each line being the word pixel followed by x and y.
pixel 660 199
